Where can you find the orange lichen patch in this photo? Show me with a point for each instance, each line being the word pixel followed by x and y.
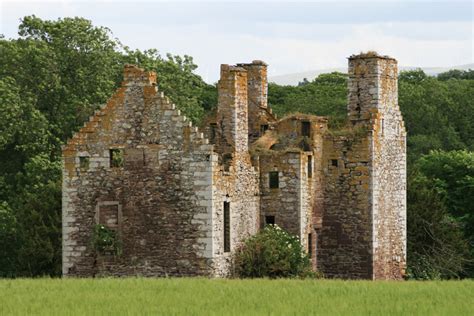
pixel 149 94
pixel 360 69
pixel 186 137
pixel 102 118
pixel 132 73
pixel 69 161
pixel 266 141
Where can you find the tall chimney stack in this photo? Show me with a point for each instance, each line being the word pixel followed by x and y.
pixel 232 110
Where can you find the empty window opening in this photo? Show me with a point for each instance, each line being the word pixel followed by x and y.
pixel 383 126
pixel 212 132
pixel 310 166
pixel 116 158
pixel 274 180
pixel 84 162
pixel 226 226
pixel 334 162
pixel 305 128
pixel 263 128
pixel 227 161
pixel 270 220
pixel 310 245
pixel 304 145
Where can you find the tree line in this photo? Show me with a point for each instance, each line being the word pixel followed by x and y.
pixel 56 73
pixel 52 78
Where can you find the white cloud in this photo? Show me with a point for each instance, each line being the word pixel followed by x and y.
pixel 286 54
pixel 286 45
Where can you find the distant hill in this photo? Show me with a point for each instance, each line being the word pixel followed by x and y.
pixel 294 78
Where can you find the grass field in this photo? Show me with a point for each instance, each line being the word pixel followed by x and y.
pixel 233 297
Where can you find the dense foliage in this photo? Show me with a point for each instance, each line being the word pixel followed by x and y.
pixel 325 95
pixel 56 73
pixel 271 253
pixel 450 176
pixel 437 248
pixel 52 78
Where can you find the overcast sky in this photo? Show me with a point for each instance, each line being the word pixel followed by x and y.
pixel 289 36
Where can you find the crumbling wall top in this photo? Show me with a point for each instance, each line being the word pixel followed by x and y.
pixel 253 63
pixel 132 74
pixel 369 54
pixel 231 68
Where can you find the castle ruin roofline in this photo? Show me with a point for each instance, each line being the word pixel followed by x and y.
pixel 339 188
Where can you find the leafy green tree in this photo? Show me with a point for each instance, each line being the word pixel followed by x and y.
pixel 436 113
pixel 68 65
pixel 413 76
pixel 52 78
pixel 326 95
pixel 23 134
pixel 38 207
pixel 8 241
pixel 452 175
pixel 456 74
pixel 436 245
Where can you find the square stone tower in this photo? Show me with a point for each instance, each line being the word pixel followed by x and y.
pixel 364 218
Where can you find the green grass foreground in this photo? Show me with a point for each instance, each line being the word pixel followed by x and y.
pixel 188 296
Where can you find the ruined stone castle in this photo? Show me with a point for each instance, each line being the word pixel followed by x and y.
pixel 182 198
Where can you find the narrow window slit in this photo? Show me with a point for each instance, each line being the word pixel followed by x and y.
pixel 226 227
pixel 274 181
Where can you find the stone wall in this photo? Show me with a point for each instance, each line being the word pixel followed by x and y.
pixel 239 187
pixel 297 204
pixel 388 163
pixel 284 202
pixel 345 239
pixel 235 181
pixel 160 192
pixel 232 111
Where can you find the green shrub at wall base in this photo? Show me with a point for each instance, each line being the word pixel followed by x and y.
pixel 272 253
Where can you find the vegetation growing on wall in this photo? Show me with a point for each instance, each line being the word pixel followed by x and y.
pixel 106 241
